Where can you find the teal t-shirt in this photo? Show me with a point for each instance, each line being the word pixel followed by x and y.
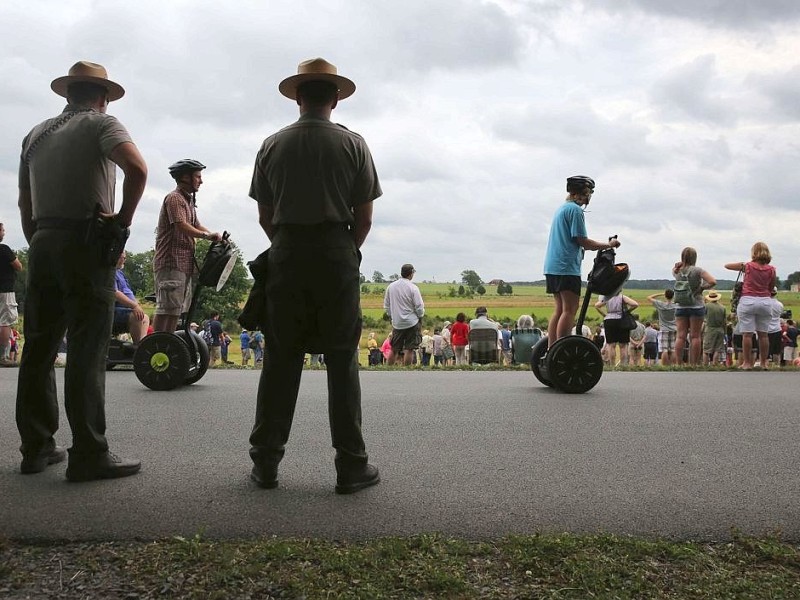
pixel 564 255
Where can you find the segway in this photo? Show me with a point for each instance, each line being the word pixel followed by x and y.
pixel 163 360
pixel 574 364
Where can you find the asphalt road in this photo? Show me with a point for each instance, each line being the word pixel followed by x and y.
pixel 473 454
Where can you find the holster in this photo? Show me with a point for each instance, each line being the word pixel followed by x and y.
pixel 107 236
pixel 253 315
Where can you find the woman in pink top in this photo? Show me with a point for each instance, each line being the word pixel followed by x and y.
pixel 755 305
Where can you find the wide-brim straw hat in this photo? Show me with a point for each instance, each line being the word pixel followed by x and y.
pixel 88 72
pixel 316 69
pixel 713 296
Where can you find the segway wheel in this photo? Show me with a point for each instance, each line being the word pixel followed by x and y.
pixel 162 361
pixel 539 353
pixel 199 367
pixel 575 364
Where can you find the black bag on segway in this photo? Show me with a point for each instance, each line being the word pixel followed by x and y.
pixel 606 277
pixel 217 264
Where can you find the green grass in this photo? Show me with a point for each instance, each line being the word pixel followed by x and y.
pixel 424 566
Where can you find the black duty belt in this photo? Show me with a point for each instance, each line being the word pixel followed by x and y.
pixel 67 224
pixel 315 228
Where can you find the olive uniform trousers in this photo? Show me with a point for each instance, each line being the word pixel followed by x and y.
pixel 313 305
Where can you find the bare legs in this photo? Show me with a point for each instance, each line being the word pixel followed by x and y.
pixel 563 319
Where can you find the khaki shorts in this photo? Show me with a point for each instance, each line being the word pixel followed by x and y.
pixel 173 292
pixel 8 309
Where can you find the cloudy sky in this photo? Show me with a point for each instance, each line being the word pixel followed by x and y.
pixel 686 113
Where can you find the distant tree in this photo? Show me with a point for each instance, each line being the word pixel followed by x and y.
pixel 362 278
pixel 509 289
pixel 365 289
pixel 480 290
pixel 790 280
pixel 451 291
pixel 501 289
pixel 471 279
pixel 461 290
pixel 377 277
pixel 394 277
pixel 139 272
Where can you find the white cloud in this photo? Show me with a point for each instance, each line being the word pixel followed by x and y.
pixel 476 112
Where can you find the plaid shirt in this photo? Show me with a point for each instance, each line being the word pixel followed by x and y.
pixel 175 248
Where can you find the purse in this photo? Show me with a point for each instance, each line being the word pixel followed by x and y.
pixel 627 321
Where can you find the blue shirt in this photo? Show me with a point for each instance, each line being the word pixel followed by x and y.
pixel 122 285
pixel 244 338
pixel 564 255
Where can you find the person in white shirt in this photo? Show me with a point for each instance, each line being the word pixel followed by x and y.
pixel 403 303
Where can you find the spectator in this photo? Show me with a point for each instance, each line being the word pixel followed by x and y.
pixel 448 354
pixel 524 337
pixel 438 347
pixel 9 266
pixel 636 345
pixel 214 327
pixel 244 342
pixel 565 247
pixel 482 320
pixel 427 347
pixel 315 183
pixel 386 347
pixel 62 180
pixel 373 351
pixel 505 345
pixel 755 305
pixel 689 318
pixel 258 349
pixel 714 350
pixel 174 263
pixel 775 329
pixel 616 337
pixel 650 344
pixel 667 327
pixel 128 314
pixel 224 342
pixel 459 338
pixel 790 349
pixel 403 303
pixel 599 337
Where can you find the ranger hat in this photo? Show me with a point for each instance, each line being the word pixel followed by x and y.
pixel 87 72
pixel 713 296
pixel 316 69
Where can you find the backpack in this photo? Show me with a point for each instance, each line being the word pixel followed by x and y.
pixel 684 294
pixel 206 335
pixel 253 343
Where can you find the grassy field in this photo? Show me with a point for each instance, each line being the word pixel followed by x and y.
pixel 563 566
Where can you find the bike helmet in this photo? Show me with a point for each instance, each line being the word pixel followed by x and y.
pixel 186 165
pixel 577 183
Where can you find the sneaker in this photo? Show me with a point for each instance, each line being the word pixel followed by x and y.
pixel 39 462
pixel 352 479
pixel 100 466
pixel 265 476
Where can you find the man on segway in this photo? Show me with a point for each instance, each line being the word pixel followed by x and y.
pixel 565 248
pixel 178 227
